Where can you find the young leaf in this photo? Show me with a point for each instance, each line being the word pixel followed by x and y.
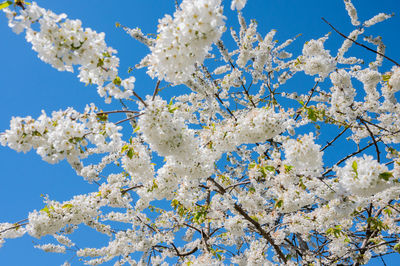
pixel 354 166
pixel 386 175
pixel 5 4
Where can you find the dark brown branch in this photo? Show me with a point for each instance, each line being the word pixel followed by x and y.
pixel 140 98
pixel 374 140
pixel 308 100
pixel 360 44
pixel 131 188
pixel 330 142
pixel 184 254
pixel 372 124
pixel 126 119
pixel 117 111
pixel 347 157
pixel 259 228
pixel 156 90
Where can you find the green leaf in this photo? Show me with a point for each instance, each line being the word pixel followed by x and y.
pixel 386 175
pixel 312 115
pixel 386 77
pixel 125 148
pixel 388 211
pixel 270 168
pixel 130 153
pixel 255 218
pixel 172 110
pixel 279 203
pixel 102 117
pixel 117 81
pixel 46 210
pixel 298 62
pixel 100 63
pixel 354 166
pixel 5 4
pixel 335 231
pixel 288 168
pixel 397 247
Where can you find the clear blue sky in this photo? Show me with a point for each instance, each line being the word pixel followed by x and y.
pixel 29 85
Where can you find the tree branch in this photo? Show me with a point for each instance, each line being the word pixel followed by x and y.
pixel 360 44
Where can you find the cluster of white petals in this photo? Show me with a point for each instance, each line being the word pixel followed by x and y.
pixel 55 215
pixel 231 172
pixel 256 125
pixel 63 43
pixel 51 248
pixel 9 230
pixel 184 40
pixel 351 10
pixel 137 162
pixel 167 132
pixel 63 135
pixel 343 93
pixel 304 155
pixel 238 4
pixel 317 60
pixel 394 81
pixel 363 176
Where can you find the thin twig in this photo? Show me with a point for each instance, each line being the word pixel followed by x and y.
pixel 347 157
pixel 330 142
pixel 374 140
pixel 309 99
pixel 117 111
pixel 259 228
pixel 13 227
pixel 131 188
pixel 155 90
pixel 140 98
pixel 129 118
pixel 360 44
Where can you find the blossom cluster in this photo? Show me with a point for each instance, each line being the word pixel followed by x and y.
pixel 184 40
pixel 364 176
pixel 317 60
pixel 242 169
pixel 65 134
pixel 304 155
pixel 257 125
pixel 63 43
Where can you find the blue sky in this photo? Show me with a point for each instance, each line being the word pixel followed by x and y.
pixel 29 85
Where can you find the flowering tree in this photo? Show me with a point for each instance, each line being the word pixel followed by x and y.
pixel 237 169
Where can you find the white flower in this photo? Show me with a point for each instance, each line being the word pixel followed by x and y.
pixel 304 155
pixel 394 80
pixel 317 60
pixel 185 40
pixel 362 176
pixel 63 44
pixel 351 10
pixel 51 248
pixel 238 4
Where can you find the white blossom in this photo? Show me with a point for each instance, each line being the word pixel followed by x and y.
pixel 238 4
pixel 184 40
pixel 362 176
pixel 304 155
